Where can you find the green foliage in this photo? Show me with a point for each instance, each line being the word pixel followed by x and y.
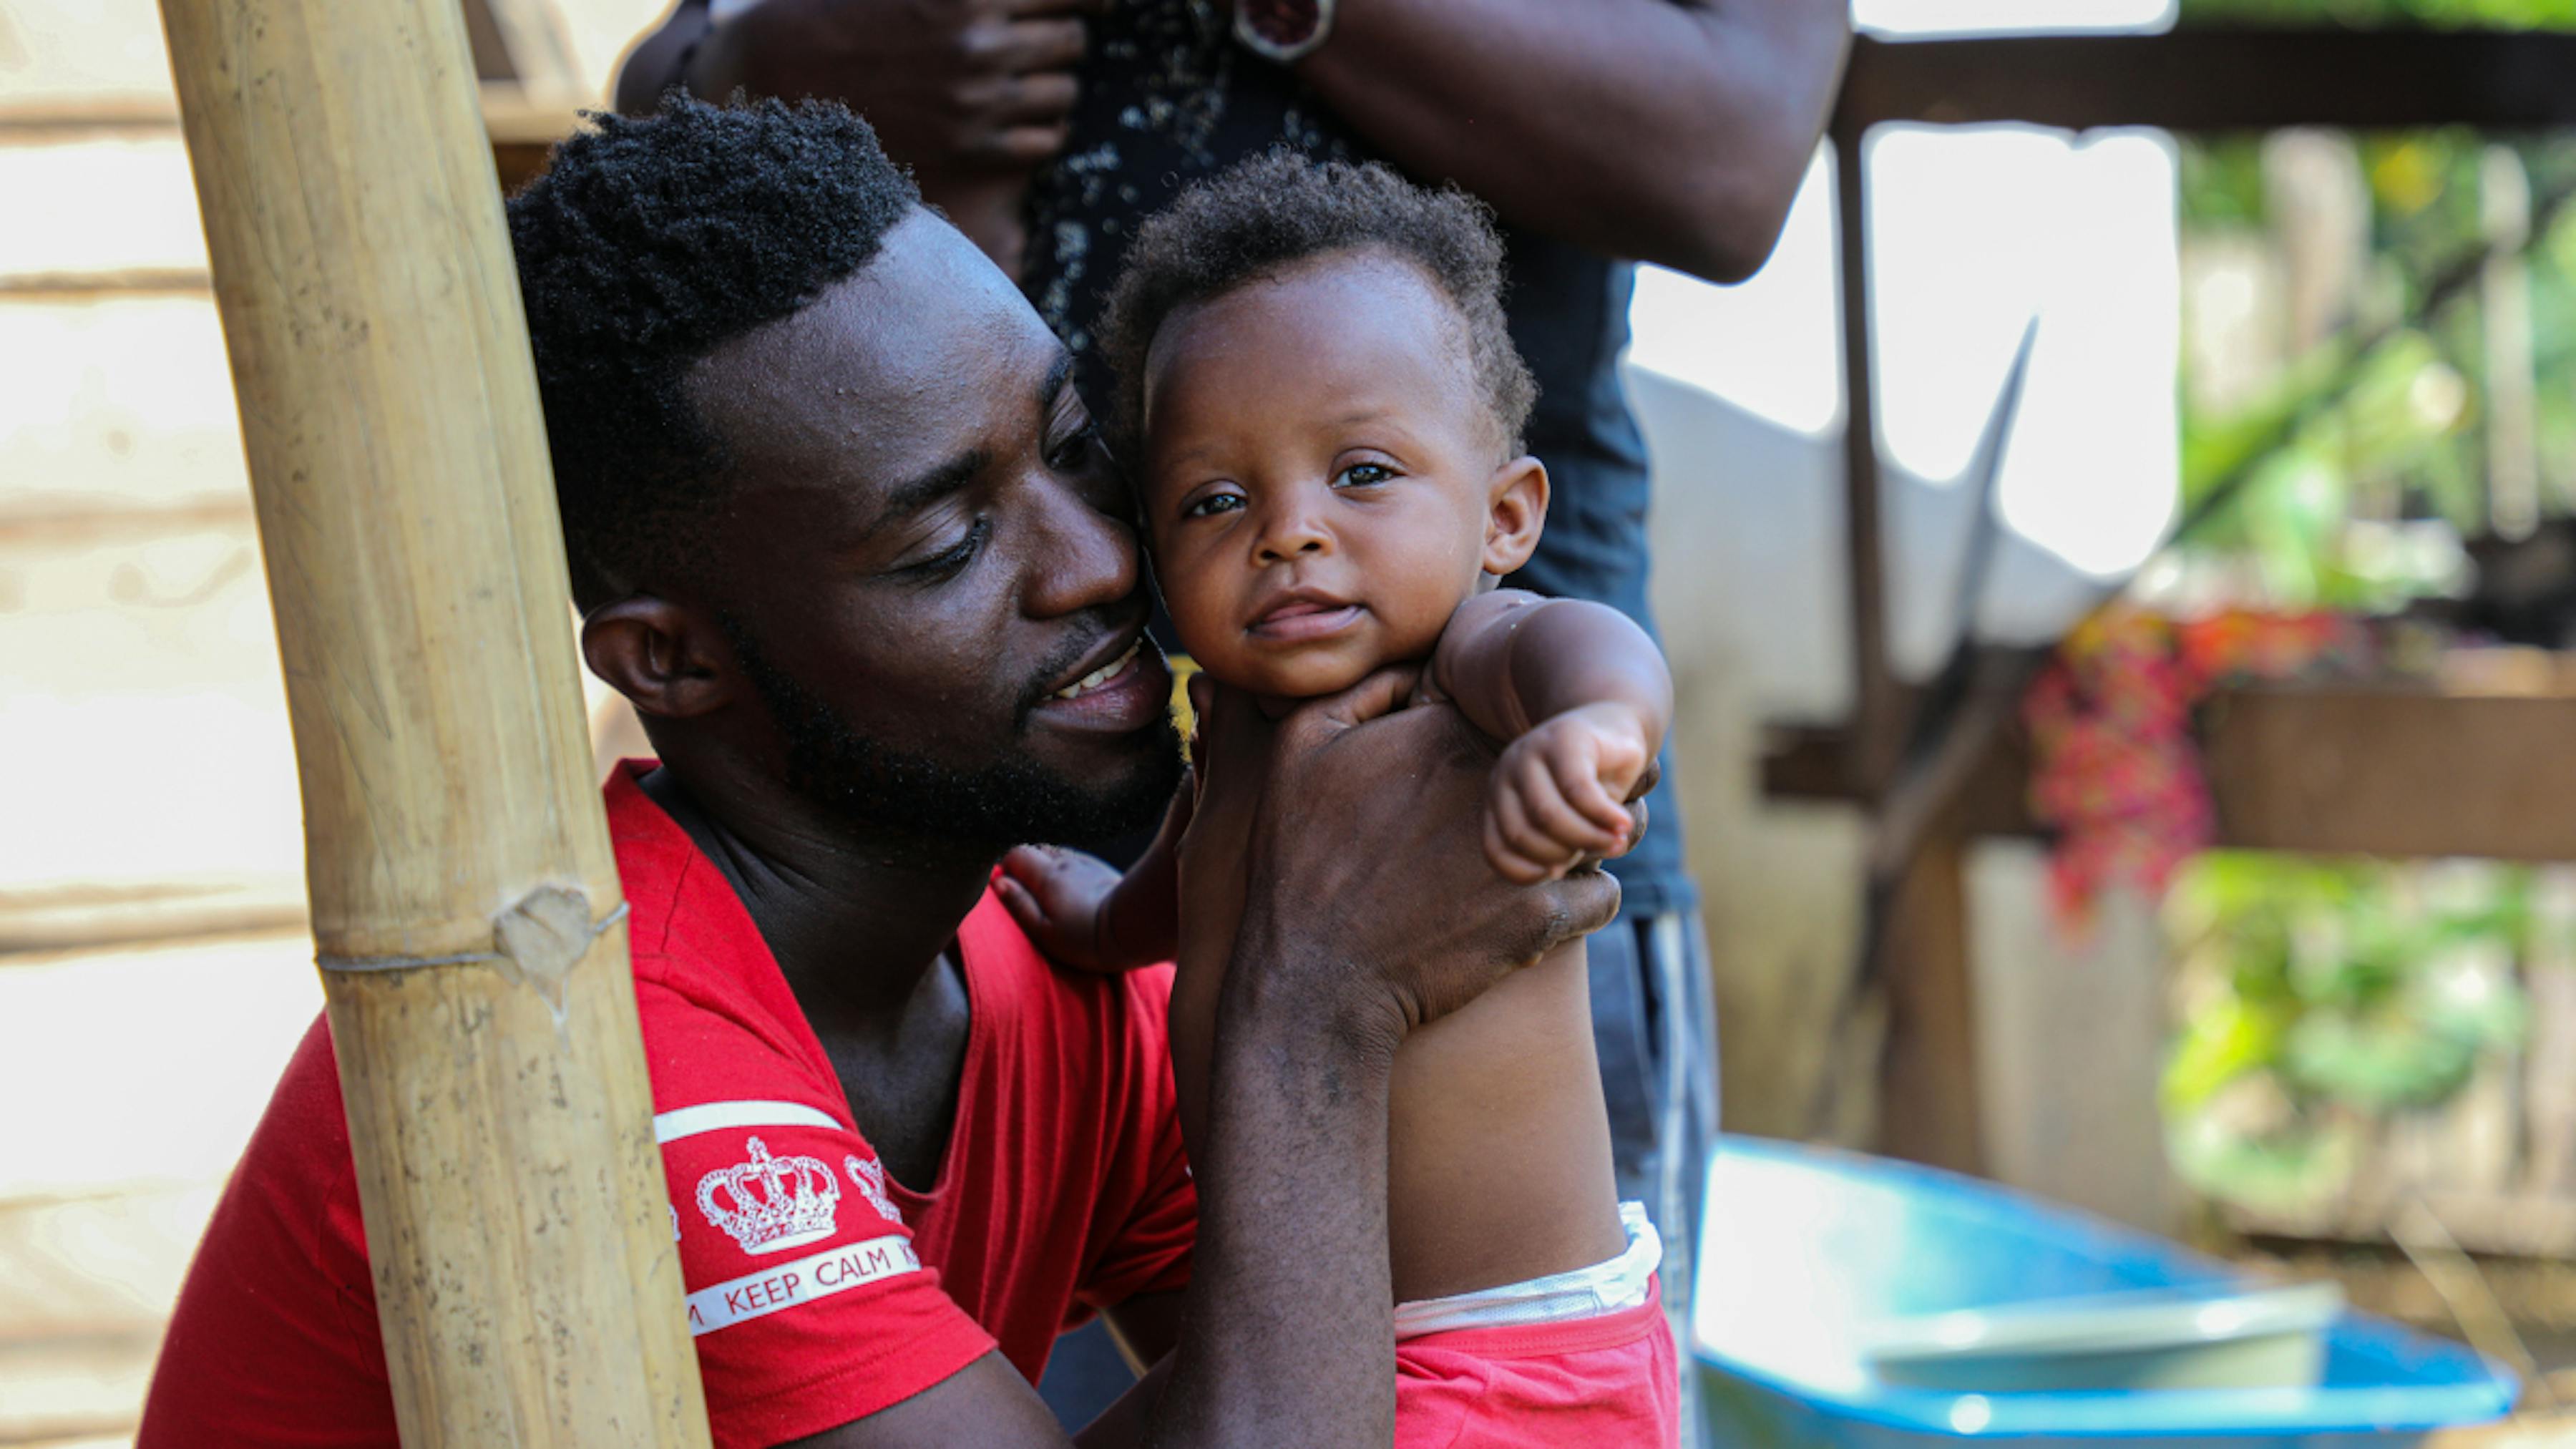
pixel 2386 416
pixel 2322 996
pixel 2502 14
pixel 2285 1172
pixel 2328 994
pixel 2222 184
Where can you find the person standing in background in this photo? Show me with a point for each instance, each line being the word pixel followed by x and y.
pixel 1602 134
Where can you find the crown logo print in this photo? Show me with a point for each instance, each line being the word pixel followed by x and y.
pixel 770 1203
pixel 871 1179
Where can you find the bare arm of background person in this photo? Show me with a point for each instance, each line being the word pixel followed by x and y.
pixel 1671 131
pixel 973 95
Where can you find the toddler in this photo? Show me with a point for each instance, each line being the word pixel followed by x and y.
pixel 1323 409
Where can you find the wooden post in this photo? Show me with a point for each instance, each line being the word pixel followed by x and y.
pixel 465 903
pixel 1878 698
pixel 1929 1108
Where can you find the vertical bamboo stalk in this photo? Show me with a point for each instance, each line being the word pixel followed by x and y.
pixel 465 902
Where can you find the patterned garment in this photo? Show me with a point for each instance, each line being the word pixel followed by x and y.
pixel 1167 98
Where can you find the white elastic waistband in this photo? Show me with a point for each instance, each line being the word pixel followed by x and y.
pixel 1622 1283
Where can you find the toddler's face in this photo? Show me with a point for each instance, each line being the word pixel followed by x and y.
pixel 1320 480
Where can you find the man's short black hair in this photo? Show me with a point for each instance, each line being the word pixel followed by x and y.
pixel 645 244
pixel 1266 214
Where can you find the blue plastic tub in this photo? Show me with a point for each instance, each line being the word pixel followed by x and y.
pixel 1806 1249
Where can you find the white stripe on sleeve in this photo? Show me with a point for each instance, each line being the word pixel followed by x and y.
pixel 682 1122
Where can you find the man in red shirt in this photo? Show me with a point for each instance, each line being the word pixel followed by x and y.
pixel 843 532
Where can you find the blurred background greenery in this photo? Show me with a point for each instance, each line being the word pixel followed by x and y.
pixel 2325 997
pixel 2378 395
pixel 2510 14
pixel 2382 420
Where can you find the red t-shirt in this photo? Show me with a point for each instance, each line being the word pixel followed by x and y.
pixel 819 1289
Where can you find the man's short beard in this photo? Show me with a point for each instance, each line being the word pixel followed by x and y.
pixel 1009 802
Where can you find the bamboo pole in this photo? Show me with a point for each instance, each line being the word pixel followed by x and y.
pixel 465 903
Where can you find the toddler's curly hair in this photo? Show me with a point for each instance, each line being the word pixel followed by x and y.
pixel 1268 213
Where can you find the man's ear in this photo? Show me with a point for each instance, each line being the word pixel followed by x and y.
pixel 667 659
pixel 1516 511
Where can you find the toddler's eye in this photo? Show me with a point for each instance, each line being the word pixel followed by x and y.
pixel 1214 504
pixel 1363 475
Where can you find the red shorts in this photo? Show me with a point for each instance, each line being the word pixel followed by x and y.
pixel 1609 1381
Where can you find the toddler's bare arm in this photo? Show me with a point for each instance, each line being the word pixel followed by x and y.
pixel 1582 699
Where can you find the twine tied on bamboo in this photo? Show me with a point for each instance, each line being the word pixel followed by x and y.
pixel 535 943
